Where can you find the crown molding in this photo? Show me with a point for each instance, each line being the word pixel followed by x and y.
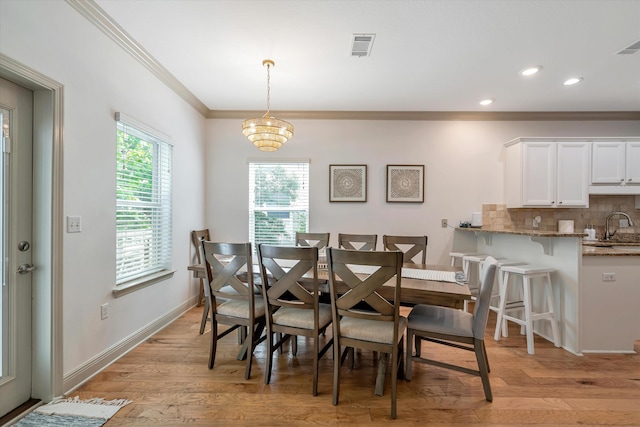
pixel 433 115
pixel 98 17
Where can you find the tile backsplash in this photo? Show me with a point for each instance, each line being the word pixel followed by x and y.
pixel 497 216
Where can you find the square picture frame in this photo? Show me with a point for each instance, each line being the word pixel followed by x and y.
pixel 347 183
pixel 405 183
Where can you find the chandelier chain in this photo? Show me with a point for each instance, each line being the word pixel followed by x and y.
pixel 267 114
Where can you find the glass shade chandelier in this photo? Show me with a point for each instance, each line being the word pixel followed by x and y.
pixel 266 132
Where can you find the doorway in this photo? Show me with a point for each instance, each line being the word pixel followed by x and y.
pixel 44 245
pixel 16 117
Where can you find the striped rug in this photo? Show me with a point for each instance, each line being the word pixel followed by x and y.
pixel 73 412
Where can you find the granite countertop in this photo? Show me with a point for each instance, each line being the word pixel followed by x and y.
pixel 599 248
pixel 532 233
pixel 589 248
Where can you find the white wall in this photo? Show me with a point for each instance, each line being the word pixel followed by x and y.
pixel 463 169
pixel 99 79
pixel 462 159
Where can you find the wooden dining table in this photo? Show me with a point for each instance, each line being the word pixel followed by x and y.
pixel 412 292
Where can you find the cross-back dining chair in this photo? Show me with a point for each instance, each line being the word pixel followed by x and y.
pixel 290 290
pixel 319 240
pixel 197 237
pixel 358 242
pixel 455 328
pixel 380 328
pixel 233 302
pixel 411 246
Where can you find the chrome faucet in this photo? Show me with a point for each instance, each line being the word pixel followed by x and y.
pixel 607 234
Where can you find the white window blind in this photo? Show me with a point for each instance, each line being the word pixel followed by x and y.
pixel 143 205
pixel 278 201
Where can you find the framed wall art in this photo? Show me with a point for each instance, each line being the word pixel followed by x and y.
pixel 405 183
pixel 347 183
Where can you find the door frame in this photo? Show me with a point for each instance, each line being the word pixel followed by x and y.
pixel 47 350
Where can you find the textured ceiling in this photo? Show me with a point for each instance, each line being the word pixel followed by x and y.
pixel 427 55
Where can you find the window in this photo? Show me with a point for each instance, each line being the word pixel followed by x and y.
pixel 143 205
pixel 278 201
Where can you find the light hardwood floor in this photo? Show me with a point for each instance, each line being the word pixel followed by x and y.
pixel 169 383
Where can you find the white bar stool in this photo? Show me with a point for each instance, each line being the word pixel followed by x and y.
pixel 457 256
pixel 473 263
pixel 471 269
pixel 528 273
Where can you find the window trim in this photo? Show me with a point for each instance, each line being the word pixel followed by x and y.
pixel 279 161
pixel 153 277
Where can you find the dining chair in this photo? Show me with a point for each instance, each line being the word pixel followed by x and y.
pixel 411 246
pixel 358 242
pixel 320 240
pixel 291 309
pixel 233 302
pixel 379 328
pixel 455 328
pixel 197 237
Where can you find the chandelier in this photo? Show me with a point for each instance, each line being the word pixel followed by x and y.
pixel 266 132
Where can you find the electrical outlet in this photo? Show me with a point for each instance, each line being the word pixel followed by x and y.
pixel 624 222
pixel 74 224
pixel 104 311
pixel 445 223
pixel 608 277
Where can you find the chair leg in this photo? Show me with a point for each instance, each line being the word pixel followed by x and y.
pixel 527 313
pixel 294 344
pixel 484 350
pixel 500 322
pixel 401 359
pixel 250 344
pixel 336 369
pixel 267 370
pixel 483 364
pixel 418 345
pixel 316 361
pixel 407 367
pixel 205 314
pixel 551 308
pixel 394 381
pixel 214 343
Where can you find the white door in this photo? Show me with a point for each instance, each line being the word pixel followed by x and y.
pixel 608 162
pixel 633 163
pixel 573 174
pixel 539 174
pixel 16 110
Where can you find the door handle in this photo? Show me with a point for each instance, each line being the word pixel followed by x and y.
pixel 25 268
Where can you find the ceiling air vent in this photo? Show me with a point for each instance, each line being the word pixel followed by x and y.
pixel 631 49
pixel 361 44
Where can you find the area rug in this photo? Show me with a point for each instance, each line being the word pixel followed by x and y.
pixel 73 412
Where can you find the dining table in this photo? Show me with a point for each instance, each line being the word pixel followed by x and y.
pixel 413 290
pixel 420 284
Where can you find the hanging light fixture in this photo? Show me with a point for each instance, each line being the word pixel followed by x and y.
pixel 266 132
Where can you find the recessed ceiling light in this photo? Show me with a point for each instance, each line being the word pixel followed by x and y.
pixel 486 102
pixel 572 81
pixel 530 71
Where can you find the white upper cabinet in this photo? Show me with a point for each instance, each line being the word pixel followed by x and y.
pixel 609 162
pixel 633 163
pixel 615 168
pixel 549 173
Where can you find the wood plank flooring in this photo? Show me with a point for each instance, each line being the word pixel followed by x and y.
pixel 168 380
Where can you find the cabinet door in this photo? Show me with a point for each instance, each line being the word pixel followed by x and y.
pixel 573 174
pixel 608 163
pixel 538 173
pixel 633 163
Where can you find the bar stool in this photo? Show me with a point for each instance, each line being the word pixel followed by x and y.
pixel 458 256
pixel 471 269
pixel 473 263
pixel 529 274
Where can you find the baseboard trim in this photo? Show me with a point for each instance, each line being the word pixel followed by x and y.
pixel 94 366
